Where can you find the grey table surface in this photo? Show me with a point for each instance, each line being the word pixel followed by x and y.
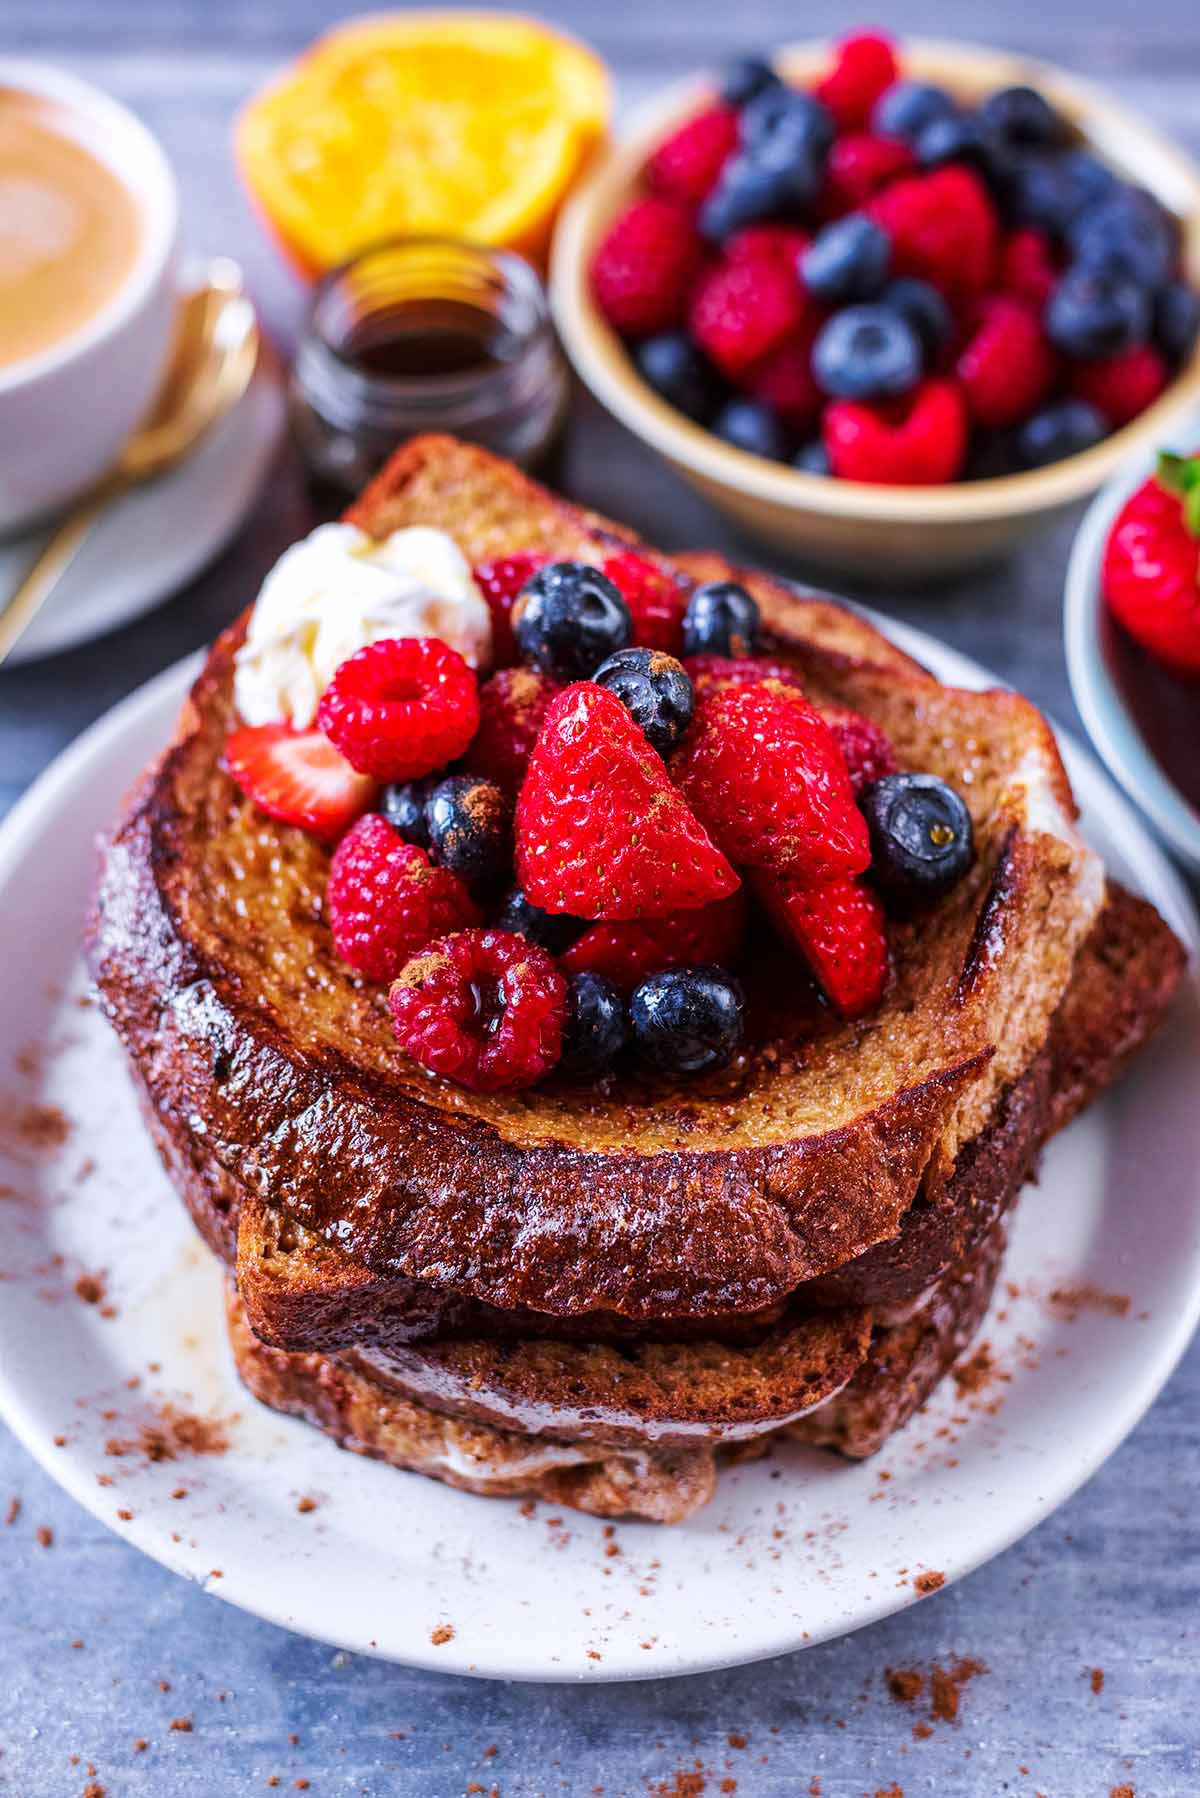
pixel 89 1630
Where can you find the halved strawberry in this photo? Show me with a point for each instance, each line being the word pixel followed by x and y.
pixel 299 777
pixel 839 929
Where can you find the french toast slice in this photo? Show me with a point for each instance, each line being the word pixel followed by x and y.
pixel 640 1200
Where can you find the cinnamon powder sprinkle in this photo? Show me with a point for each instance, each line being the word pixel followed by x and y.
pixel 182 1725
pixel 929 1582
pixel 45 1536
pixel 90 1288
pixel 1122 1792
pixel 946 1687
pixel 13 1512
pixel 905 1684
pixel 1074 1299
pixel 442 1634
pixel 1097 1679
pixel 305 1505
pixel 172 1433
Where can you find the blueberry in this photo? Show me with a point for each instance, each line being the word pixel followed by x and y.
pixel 813 459
pixel 568 618
pixel 552 931
pixel 1094 314
pixel 746 78
pixel 681 374
pixel 655 691
pixel 962 139
pixel 721 619
pixel 991 456
pixel 686 1020
pixel 782 116
pixel 596 1026
pixel 1126 235
pixel 924 308
pixel 753 427
pixel 1064 429
pixel 908 107
pixel 403 805
pixel 1023 118
pixel 1176 319
pixel 921 838
pixel 866 353
pixel 1085 180
pixel 470 827
pixel 756 186
pixel 1036 190
pixel 848 260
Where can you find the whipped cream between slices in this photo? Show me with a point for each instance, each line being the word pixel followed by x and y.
pixel 338 590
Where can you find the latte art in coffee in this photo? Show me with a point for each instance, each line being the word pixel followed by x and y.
pixel 70 230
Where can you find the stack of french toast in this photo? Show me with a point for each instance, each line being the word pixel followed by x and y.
pixel 598 1292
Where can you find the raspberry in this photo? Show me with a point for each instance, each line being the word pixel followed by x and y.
pixel 839 929
pixel 512 706
pixel 655 599
pixel 916 442
pixel 644 267
pixel 770 243
pixel 763 773
pixel 1150 566
pixel 500 582
pixel 401 707
pixel 483 1007
pixel 1006 367
pixel 1121 386
pixel 627 953
pixel 1027 266
pixel 712 674
pixel 860 166
pixel 386 900
pixel 783 380
pixel 743 310
pixel 943 229
pixel 686 165
pixel 865 67
pixel 866 749
pixel 600 831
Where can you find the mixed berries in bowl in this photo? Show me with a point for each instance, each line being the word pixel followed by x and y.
pixel 1132 627
pixel 865 284
pixel 574 862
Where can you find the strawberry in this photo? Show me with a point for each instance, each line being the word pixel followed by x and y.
pixel 600 831
pixel 1151 572
pixel 628 952
pixel 655 599
pixel 298 777
pixel 839 929
pixel 512 706
pixel 763 773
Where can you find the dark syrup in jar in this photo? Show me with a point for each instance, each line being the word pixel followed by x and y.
pixel 427 340
pixel 1165 708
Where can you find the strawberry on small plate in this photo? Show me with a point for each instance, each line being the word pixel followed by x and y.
pixel 1143 719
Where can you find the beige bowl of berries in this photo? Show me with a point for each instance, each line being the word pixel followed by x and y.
pixel 1032 246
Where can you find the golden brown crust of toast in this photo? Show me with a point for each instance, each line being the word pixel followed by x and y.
pixel 215 965
pixel 661 1483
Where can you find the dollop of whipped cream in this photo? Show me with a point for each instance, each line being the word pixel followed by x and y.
pixel 338 590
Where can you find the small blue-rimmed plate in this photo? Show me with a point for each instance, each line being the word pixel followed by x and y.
pixel 1102 706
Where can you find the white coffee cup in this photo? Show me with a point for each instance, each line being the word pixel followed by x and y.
pixel 65 412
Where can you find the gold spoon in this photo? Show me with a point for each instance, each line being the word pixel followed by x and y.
pixel 212 358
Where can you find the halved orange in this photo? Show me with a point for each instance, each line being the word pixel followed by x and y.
pixel 467 125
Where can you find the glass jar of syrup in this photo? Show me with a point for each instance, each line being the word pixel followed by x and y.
pixel 424 334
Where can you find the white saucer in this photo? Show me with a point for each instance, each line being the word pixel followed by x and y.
pixel 156 539
pixel 795 1548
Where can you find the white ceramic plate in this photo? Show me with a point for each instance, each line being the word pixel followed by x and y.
pixel 795 1548
pixel 1108 720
